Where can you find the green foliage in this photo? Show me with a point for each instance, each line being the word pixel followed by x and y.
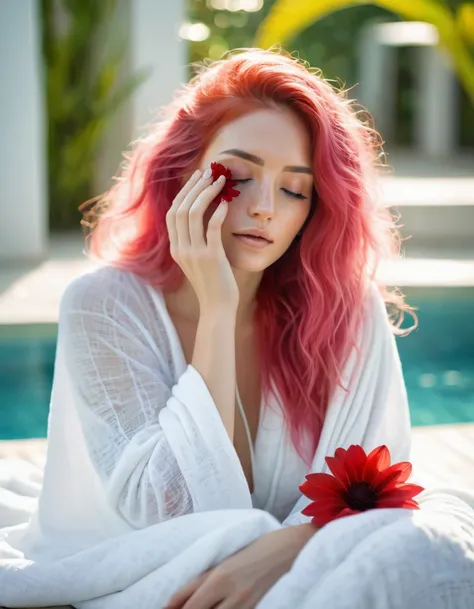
pixel 229 30
pixel 330 44
pixel 83 93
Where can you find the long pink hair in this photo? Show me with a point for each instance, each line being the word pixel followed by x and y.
pixel 310 302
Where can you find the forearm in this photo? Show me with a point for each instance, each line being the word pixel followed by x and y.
pixel 293 540
pixel 300 534
pixel 284 545
pixel 214 359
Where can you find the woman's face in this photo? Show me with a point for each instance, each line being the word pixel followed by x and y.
pixel 277 166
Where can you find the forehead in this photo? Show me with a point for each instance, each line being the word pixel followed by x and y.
pixel 269 134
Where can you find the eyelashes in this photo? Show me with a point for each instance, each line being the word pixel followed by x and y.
pixel 295 195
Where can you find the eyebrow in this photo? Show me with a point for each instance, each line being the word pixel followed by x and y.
pixel 258 161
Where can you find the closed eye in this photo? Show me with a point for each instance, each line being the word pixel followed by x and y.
pixel 296 195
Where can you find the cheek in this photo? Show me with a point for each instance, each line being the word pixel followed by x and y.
pixel 295 220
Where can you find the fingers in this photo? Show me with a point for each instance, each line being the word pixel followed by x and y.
pixel 183 209
pixel 214 228
pixel 171 213
pixel 184 219
pixel 198 209
pixel 183 193
pixel 184 594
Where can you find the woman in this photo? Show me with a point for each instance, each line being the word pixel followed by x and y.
pixel 200 368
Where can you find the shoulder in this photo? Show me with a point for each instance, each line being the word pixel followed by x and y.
pixel 375 321
pixel 374 305
pixel 113 312
pixel 108 291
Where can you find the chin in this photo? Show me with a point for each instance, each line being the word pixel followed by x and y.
pixel 251 263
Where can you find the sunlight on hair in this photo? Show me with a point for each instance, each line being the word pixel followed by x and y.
pixel 325 284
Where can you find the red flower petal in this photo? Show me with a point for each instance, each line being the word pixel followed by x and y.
pixel 406 468
pixel 321 519
pixel 228 191
pixel 310 491
pixel 404 491
pixel 337 467
pixel 398 503
pixel 220 170
pixel 317 484
pixel 414 489
pixel 395 474
pixel 371 475
pixel 330 502
pixel 394 502
pixel 355 462
pixel 377 460
pixel 327 512
pixel 340 453
pixel 411 504
pixel 320 507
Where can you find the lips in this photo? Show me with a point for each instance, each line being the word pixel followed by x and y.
pixel 255 243
pixel 256 237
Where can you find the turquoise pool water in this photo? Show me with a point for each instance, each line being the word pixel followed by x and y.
pixel 437 359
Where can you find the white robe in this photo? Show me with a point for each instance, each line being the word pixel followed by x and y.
pixel 143 489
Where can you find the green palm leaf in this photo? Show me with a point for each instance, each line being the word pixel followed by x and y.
pixel 288 18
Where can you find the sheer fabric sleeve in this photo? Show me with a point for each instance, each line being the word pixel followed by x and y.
pixel 375 409
pixel 160 448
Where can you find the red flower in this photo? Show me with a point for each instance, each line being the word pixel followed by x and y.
pixel 360 482
pixel 228 192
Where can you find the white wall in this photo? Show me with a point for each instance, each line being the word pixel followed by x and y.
pixel 436 121
pixel 435 118
pixel 23 216
pixel 151 27
pixel 155 42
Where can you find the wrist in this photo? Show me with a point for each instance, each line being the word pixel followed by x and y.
pixel 300 534
pixel 217 314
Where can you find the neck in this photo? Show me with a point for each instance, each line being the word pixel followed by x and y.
pixel 184 301
pixel 248 284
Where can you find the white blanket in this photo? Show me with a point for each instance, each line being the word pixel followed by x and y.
pixel 381 559
pixel 132 430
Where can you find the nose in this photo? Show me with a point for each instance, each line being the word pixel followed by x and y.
pixel 263 204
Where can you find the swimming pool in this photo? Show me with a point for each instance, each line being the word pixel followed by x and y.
pixel 437 359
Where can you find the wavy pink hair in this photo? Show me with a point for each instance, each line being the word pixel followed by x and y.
pixel 310 302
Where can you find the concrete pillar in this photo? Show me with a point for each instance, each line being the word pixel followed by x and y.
pixel 155 43
pixel 437 108
pixel 23 182
pixel 378 80
pixel 119 133
pixel 150 30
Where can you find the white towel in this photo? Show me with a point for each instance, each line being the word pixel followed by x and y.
pixel 129 434
pixel 381 559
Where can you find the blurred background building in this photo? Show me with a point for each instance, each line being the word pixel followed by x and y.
pixel 81 79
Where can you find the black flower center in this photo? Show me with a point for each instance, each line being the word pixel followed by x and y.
pixel 361 496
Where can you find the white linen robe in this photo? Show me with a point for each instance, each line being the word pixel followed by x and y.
pixel 142 488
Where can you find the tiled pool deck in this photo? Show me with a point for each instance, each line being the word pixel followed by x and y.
pixel 442 454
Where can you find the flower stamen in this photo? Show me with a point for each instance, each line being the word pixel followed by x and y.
pixel 361 496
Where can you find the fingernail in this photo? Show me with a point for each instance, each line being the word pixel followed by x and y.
pixel 207 173
pixel 196 174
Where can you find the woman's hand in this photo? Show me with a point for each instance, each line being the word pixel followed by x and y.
pixel 201 256
pixel 244 578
